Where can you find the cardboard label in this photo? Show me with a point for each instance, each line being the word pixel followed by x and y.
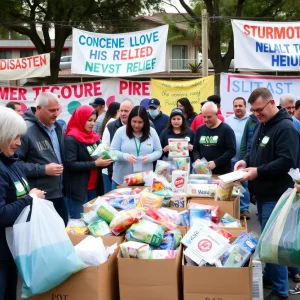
pixel 59 297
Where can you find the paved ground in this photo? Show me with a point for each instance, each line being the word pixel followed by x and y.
pixel 253 225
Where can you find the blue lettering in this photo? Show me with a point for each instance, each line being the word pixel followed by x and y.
pixel 279 89
pixel 155 36
pixel 81 38
pixel 235 86
pixel 116 55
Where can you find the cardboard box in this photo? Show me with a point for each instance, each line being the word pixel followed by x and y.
pixel 211 283
pixel 92 283
pixel 237 231
pixel 146 279
pixel 230 207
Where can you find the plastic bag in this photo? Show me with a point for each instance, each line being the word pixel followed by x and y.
pixel 105 210
pixel 99 228
pixel 124 219
pixel 136 178
pixel 104 151
pixel 146 232
pixel 41 248
pixel 178 147
pixel 180 164
pixel 93 252
pixel 161 219
pixel 200 167
pixel 279 242
pixel 123 202
pixel 147 199
pixel 224 191
pixel 214 209
pixel 163 168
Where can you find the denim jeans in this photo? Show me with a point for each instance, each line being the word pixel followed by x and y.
pixel 107 183
pixel 277 274
pixel 60 206
pixel 114 185
pixel 8 280
pixel 76 207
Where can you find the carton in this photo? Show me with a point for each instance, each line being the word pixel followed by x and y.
pixel 149 279
pixel 231 207
pixel 92 283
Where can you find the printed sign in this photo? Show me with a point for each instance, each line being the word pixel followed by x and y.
pixel 25 67
pixel 237 85
pixel 73 95
pixel 266 45
pixel 168 92
pixel 125 54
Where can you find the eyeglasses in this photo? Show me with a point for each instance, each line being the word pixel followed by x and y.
pixel 259 110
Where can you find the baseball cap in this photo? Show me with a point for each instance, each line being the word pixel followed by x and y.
pixel 154 103
pixel 215 99
pixel 177 112
pixel 98 101
pixel 145 103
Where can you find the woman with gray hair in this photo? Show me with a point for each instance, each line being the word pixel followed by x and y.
pixel 15 194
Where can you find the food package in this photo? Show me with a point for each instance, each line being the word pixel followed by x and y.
pixel 133 249
pixel 224 191
pixel 167 194
pixel 76 227
pixel 124 219
pixel 180 164
pixel 246 241
pixel 178 200
pixel 178 147
pixel 201 214
pixel 164 254
pixel 122 191
pixel 200 167
pixel 161 219
pixel 237 257
pixel 136 178
pixel 163 168
pixel 184 218
pixel 105 152
pixel 89 217
pixel 179 181
pixel 146 232
pixel 208 245
pixel 99 228
pixel 171 214
pixel 214 209
pixel 105 210
pixel 201 190
pixel 191 234
pixel 229 221
pixel 123 202
pixel 147 199
pixel 171 240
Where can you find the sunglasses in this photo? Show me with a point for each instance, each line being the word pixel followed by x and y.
pixel 259 110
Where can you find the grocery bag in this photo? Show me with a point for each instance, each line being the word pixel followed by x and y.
pixel 280 242
pixel 42 250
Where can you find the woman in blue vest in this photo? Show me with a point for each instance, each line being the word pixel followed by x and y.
pixel 15 194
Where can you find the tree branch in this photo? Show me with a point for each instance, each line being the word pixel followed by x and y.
pixel 168 3
pixel 189 11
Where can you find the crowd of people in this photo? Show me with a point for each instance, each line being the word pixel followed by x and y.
pixel 38 158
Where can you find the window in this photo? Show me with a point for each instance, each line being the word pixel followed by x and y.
pixel 5 54
pixel 179 56
pixel 26 53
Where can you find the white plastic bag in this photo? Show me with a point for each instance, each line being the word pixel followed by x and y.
pixel 42 250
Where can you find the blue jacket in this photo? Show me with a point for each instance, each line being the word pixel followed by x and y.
pixel 160 122
pixel 13 198
pixel 122 146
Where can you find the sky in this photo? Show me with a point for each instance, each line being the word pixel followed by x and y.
pixel 171 9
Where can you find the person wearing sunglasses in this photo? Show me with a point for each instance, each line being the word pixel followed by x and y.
pixel 273 152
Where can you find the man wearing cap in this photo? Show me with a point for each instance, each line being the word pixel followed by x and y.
pixel 198 121
pixel 99 106
pixel 214 141
pixel 159 119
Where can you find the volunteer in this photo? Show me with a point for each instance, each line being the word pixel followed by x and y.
pixel 15 194
pixel 177 128
pixel 112 114
pixel 274 150
pixel 136 146
pixel 214 141
pixel 156 116
pixel 83 178
pixel 185 105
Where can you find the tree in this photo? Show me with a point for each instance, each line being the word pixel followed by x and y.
pixel 220 32
pixel 27 17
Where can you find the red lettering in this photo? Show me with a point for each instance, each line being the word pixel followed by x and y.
pixel 54 88
pixel 66 92
pixel 136 88
pixel 88 88
pixel 145 88
pixel 43 60
pixel 13 94
pixel 37 91
pixel 4 93
pixel 45 88
pixel 246 29
pixel 78 90
pixel 123 86
pixel 97 88
pixel 22 94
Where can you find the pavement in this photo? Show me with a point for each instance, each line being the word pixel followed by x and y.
pixel 253 226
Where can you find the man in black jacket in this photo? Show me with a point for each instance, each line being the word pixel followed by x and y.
pixel 41 152
pixel 274 150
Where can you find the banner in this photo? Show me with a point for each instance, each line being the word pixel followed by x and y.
pixel 168 92
pixel 73 95
pixel 236 85
pixel 271 46
pixel 125 54
pixel 25 67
